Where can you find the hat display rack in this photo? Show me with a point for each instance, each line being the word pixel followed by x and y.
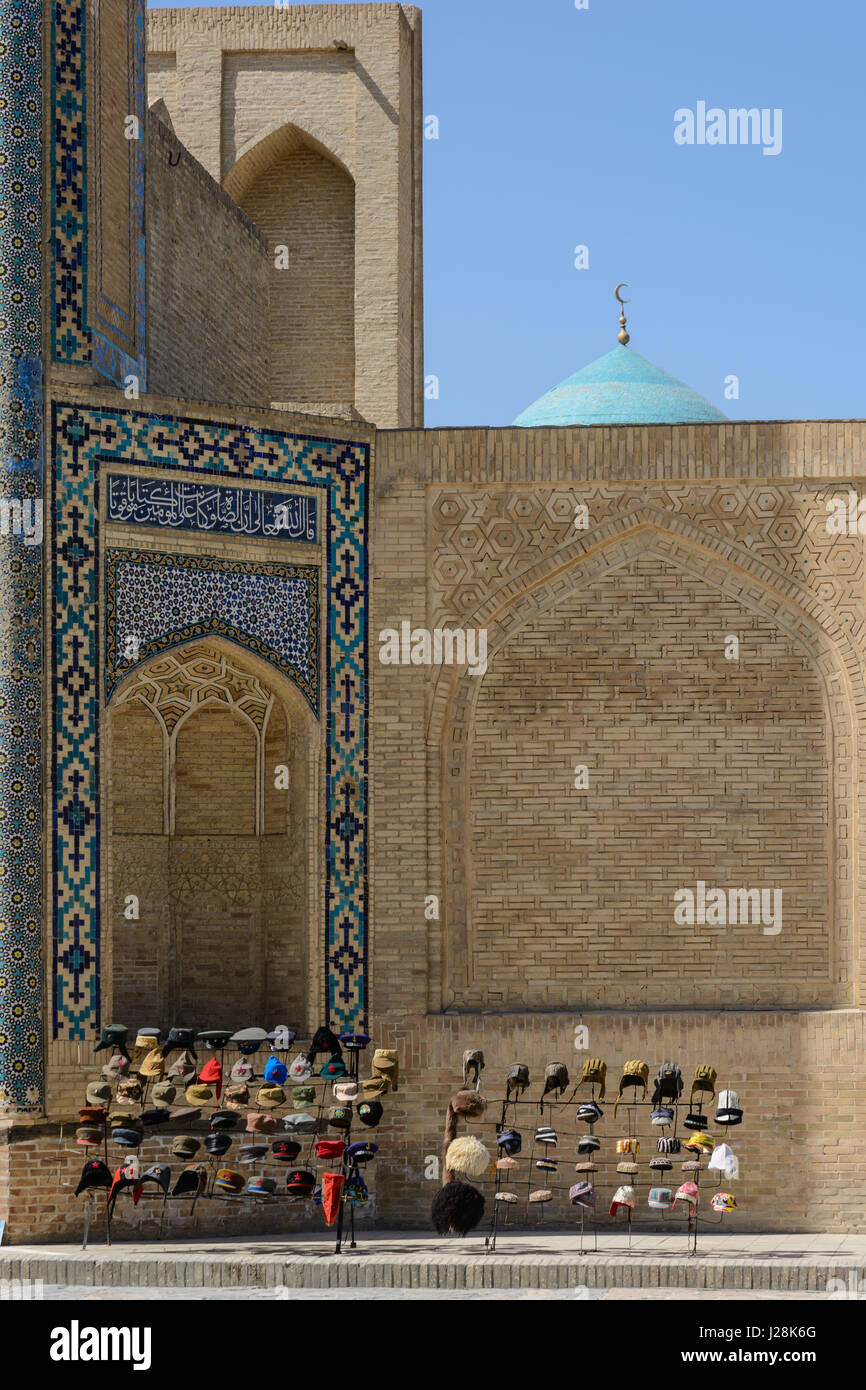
pixel 186 1098
pixel 679 1127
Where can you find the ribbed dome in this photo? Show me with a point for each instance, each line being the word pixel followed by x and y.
pixel 621 388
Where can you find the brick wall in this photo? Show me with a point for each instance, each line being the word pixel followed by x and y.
pixel 283 106
pixel 208 268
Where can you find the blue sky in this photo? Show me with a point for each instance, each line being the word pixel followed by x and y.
pixel 556 129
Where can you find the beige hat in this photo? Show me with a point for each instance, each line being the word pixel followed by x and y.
pixel 198 1094
pixel 153 1064
pixel 269 1097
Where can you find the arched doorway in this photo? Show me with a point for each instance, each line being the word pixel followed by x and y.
pixel 211 795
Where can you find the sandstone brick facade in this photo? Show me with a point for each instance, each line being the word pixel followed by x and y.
pixel 310 115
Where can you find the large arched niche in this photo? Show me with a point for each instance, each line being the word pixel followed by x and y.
pixel 212 787
pixel 741 774
pixel 302 197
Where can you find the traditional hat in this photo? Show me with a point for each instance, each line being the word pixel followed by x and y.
pixel 300 1124
pixel 509 1140
pixel 185 1146
pixel 163 1094
pixel 634 1073
pixel 720 1161
pixel 128 1091
pixel 724 1201
pixel 698 1143
pixel 507 1162
pixel 323 1041
pixel 623 1197
pixel 385 1066
pixel 215 1038
pixel 159 1115
pixel 555 1079
pixel 517 1080
pixel 370 1112
pixel 541 1194
pixel 211 1074
pixel 590 1111
pixel 660 1197
pixel 249 1040
pixel 473 1066
pixel 628 1146
pixel 191 1182
pixel 695 1120
pixel 93 1114
pixel 251 1153
pixel 627 1167
pixel 467 1155
pixel 691 1165
pixel 509 1197
pixel 300 1069
pixel 227 1180
pixel 224 1119
pixel 93 1174
pixel 300 1183
pixel 362 1151
pixel 664 1165
pixel 275 1071
pixel 113 1035
pixel 179 1037
pixel 662 1115
pixel 457 1208
pixel 545 1134
pixel 183 1066
pixel 89 1134
pixel 687 1192
pixel 159 1173
pixel 335 1066
pixel 285 1150
pixel 259 1186
pixel 258 1123
pixel 547 1165
pixel 198 1094
pixel 330 1149
pixel 117 1066
pixel 217 1143
pixel 153 1064
pixel 270 1097
pixel 586 1167
pixel 587 1144
pixel 582 1194
pixel 728 1109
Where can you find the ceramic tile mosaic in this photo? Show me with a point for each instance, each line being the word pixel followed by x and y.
pixel 21 479
pixel 155 601
pixel 84 443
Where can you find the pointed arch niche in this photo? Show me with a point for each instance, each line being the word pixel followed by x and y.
pixel 743 774
pixel 211 786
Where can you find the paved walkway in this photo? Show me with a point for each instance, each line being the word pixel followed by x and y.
pixel 418 1262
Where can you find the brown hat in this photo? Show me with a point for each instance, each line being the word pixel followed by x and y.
pixel 185 1146
pixel 184 1065
pixel 386 1065
pixel 260 1124
pixel 198 1094
pixel 163 1094
pixel 269 1097
pixel 153 1064
pixel 93 1114
pixel 236 1097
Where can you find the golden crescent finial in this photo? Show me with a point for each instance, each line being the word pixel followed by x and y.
pixel 622 337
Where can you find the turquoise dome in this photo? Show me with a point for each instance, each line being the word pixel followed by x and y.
pixel 621 388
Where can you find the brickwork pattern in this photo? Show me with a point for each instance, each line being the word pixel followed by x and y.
pixel 248 89
pixel 205 340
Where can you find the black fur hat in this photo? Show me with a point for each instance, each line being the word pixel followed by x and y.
pixel 324 1041
pixel 457 1208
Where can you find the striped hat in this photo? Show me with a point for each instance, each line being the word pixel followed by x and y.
pixel 545 1134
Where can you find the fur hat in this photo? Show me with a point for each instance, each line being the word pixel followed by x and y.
pixel 324 1041
pixel 466 1104
pixel 457 1207
pixel 467 1155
